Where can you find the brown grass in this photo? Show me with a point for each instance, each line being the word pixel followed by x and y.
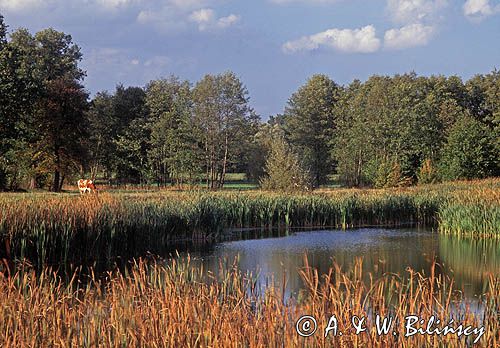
pixel 181 305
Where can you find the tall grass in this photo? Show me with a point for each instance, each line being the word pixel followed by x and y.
pixel 52 229
pixel 474 213
pixel 173 305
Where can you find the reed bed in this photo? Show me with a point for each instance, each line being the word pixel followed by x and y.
pixel 50 229
pixel 177 304
pixel 474 213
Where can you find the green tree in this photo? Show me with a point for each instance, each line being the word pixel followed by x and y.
pixel 469 152
pixel 427 173
pixel 310 123
pixel 174 151
pixel 133 133
pixel 223 118
pixel 404 118
pixel 51 127
pixel 258 149
pixel 484 92
pixel 61 130
pixel 283 170
pixel 102 125
pixel 18 94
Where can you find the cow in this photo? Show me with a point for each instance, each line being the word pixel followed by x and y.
pixel 86 186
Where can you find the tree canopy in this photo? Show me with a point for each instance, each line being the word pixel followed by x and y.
pixel 386 131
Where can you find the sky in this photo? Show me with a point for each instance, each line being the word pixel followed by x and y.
pixel 274 46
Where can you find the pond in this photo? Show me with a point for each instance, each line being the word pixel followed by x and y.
pixel 469 262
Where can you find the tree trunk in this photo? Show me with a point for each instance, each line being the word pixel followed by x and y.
pixel 57 173
pixel 358 172
pixel 3 180
pixel 208 165
pixel 224 163
pixel 32 185
pixel 55 182
pixel 62 182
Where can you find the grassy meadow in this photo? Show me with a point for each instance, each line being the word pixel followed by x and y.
pixel 51 229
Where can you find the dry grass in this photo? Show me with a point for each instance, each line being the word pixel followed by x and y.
pixel 181 305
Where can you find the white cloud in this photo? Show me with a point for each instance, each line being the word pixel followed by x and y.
pixel 479 9
pixel 206 19
pixel 419 19
pixel 21 5
pixel 361 40
pixel 28 5
pixel 228 21
pixel 305 1
pixel 176 15
pixel 114 4
pixel 188 4
pixel 408 36
pixel 205 15
pixel 413 11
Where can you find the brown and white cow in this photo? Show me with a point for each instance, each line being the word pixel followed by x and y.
pixel 86 186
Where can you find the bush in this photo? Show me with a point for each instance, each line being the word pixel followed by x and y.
pixel 389 174
pixel 427 173
pixel 284 171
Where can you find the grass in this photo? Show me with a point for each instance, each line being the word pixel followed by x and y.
pixel 472 212
pixel 177 304
pixel 50 229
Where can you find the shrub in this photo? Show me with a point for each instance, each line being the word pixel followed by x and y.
pixel 427 173
pixel 284 171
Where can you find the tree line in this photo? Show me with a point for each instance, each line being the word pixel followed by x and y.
pixel 387 131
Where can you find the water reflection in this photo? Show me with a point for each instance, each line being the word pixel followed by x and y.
pixel 382 250
pixel 470 261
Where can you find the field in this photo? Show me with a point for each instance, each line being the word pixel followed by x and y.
pixel 52 229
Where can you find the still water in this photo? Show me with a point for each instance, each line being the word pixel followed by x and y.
pixel 469 262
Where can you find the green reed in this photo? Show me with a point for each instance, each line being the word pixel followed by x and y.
pixel 54 229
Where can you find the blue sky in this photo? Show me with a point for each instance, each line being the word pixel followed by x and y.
pixel 273 45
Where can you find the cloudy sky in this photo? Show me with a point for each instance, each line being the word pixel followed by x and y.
pixel 273 45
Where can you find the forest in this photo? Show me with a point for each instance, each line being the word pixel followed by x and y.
pixel 387 131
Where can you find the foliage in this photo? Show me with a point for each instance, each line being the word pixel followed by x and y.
pixel 51 129
pixel 174 151
pixel 18 93
pixel 223 119
pixel 310 124
pixel 259 147
pixel 427 174
pixel 283 170
pixel 470 151
pixel 389 175
pixel 379 133
pixel 61 130
pixel 102 125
